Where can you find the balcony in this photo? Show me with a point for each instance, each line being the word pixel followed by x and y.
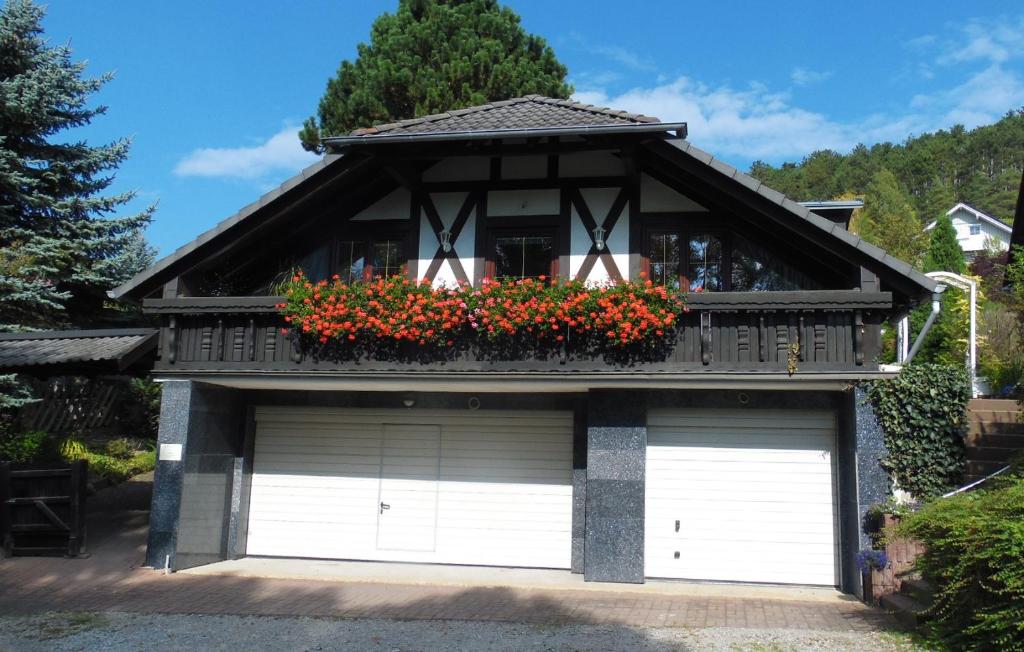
pixel 826 331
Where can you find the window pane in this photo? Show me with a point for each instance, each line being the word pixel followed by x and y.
pixel 523 256
pixel 387 258
pixel 705 262
pixel 351 260
pixel 663 259
pixel 754 269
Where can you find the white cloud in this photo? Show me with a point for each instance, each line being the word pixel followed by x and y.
pixel 280 152
pixel 803 76
pixel 756 122
pixel 996 41
pixel 621 55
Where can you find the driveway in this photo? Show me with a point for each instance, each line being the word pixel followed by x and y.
pixel 108 601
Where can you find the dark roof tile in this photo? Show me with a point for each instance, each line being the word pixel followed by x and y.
pixel 19 350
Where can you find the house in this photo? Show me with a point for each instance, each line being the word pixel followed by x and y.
pixel 977 231
pixel 734 451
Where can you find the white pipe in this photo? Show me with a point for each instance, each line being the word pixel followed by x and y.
pixel 936 307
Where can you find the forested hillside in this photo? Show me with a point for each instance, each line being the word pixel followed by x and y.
pixel 981 167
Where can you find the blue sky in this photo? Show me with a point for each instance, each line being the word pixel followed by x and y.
pixel 212 92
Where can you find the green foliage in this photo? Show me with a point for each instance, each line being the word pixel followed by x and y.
pixel 975 557
pixel 24 446
pixel 1001 350
pixel 61 249
pixel 117 469
pixel 981 167
pixel 944 252
pixel 432 56
pixel 72 449
pixel 13 393
pixel 123 448
pixel 923 412
pixel 888 219
pixel 141 414
pixel 1015 283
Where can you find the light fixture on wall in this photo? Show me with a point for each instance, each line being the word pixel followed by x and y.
pixel 599 237
pixel 408 400
pixel 445 236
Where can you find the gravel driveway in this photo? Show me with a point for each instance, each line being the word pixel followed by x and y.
pixel 119 631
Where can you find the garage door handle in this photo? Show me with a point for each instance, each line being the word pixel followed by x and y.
pixel 384 506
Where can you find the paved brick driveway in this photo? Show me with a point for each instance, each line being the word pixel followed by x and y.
pixel 110 580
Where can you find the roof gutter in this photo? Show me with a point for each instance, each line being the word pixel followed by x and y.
pixel 678 129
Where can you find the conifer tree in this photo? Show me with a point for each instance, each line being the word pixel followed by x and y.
pixel 432 56
pixel 944 252
pixel 888 219
pixel 61 248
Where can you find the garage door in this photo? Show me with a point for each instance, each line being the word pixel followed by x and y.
pixel 741 496
pixel 461 487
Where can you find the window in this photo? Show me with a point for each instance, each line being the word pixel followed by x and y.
pixel 975 229
pixel 716 261
pixel 378 255
pixel 521 255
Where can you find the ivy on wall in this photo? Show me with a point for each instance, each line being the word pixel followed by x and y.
pixel 923 413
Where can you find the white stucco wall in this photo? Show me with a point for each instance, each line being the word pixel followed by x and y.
pixel 447 205
pixel 963 220
pixel 394 206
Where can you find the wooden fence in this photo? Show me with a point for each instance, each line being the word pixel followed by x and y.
pixel 42 510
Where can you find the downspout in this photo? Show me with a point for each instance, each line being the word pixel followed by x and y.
pixel 936 307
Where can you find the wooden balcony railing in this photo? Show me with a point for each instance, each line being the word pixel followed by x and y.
pixel 826 330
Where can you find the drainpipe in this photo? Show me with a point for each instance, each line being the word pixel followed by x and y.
pixel 936 307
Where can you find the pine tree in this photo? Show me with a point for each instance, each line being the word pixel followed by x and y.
pixel 888 219
pixel 61 248
pixel 432 56
pixel 944 252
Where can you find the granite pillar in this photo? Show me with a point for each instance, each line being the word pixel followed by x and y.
pixel 616 455
pixel 579 487
pixel 191 516
pixel 873 484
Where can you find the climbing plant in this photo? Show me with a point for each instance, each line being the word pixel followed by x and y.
pixel 923 412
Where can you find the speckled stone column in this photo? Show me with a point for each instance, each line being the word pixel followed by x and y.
pixel 873 483
pixel 175 405
pixel 616 454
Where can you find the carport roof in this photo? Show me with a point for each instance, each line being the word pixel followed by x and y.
pixel 105 350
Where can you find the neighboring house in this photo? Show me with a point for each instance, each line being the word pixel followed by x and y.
pixel 977 231
pixel 740 453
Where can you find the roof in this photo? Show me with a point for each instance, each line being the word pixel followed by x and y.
pixel 521 116
pixel 834 204
pixel 981 217
pixel 806 215
pixel 119 348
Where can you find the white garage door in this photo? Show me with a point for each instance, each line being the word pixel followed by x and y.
pixel 442 486
pixel 745 495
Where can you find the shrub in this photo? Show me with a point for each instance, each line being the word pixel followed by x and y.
pixel 123 449
pixel 72 449
pixel 923 412
pixel 117 469
pixel 30 446
pixel 975 557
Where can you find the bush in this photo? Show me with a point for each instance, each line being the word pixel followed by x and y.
pixel 72 449
pixel 975 557
pixel 117 469
pixel 31 446
pixel 122 449
pixel 923 412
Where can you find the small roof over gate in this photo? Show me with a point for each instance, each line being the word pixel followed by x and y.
pixel 109 350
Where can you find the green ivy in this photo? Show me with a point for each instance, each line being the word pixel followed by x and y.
pixel 923 412
pixel 974 555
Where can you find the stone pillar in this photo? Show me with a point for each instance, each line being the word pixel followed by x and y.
pixel 616 455
pixel 873 483
pixel 175 403
pixel 192 511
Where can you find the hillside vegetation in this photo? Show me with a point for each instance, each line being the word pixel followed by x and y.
pixel 981 167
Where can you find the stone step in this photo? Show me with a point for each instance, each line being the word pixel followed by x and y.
pixel 907 611
pixel 1000 416
pixel 990 453
pixel 919 589
pixel 997 404
pixel 997 439
pixel 981 468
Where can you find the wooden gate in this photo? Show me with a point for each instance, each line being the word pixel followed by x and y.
pixel 42 510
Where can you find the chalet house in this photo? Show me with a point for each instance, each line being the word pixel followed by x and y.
pixel 977 231
pixel 736 451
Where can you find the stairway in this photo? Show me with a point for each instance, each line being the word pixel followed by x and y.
pixel 995 433
pixel 908 606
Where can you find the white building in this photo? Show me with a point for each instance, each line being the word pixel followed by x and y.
pixel 976 230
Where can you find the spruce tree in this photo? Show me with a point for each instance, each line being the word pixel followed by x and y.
pixel 432 56
pixel 61 247
pixel 944 252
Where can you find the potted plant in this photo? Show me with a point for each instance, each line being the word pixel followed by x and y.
pixel 869 562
